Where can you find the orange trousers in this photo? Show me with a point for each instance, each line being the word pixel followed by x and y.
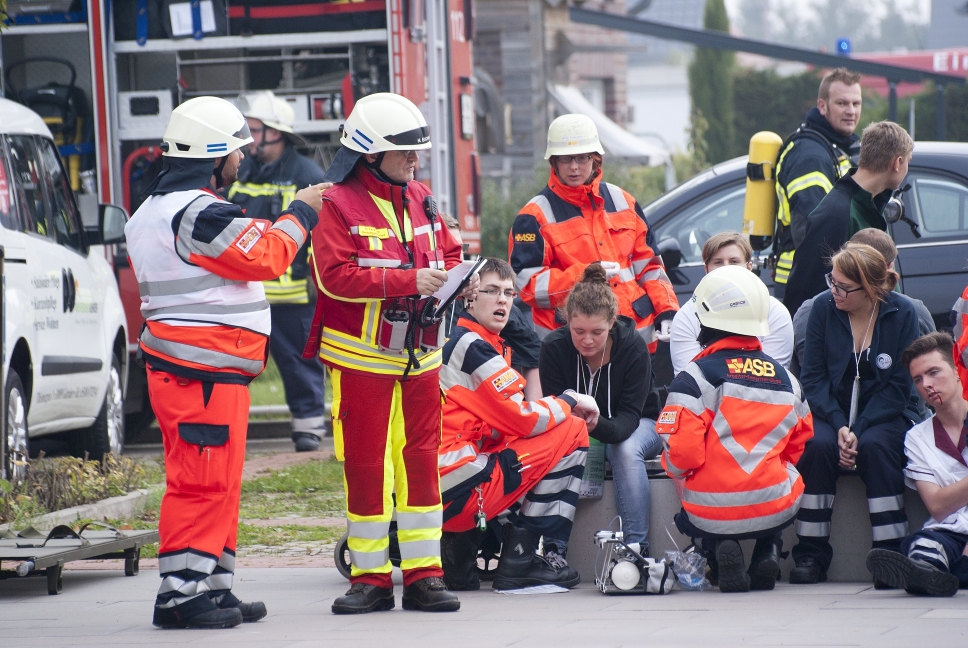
pixel 203 427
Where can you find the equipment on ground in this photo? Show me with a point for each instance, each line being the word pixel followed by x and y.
pixel 621 569
pixel 759 212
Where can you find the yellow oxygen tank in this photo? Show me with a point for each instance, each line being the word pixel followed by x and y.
pixel 759 213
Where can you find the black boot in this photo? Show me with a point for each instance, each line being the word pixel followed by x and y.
pixel 915 576
pixel 765 563
pixel 807 572
pixel 732 572
pixel 305 441
pixel 458 553
pixel 520 567
pixel 429 595
pixel 251 612
pixel 188 616
pixel 361 598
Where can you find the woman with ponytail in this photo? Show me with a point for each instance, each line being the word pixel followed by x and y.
pixel 600 354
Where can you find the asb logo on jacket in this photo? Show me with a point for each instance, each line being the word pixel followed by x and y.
pixel 751 366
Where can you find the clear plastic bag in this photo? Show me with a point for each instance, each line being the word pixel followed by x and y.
pixel 689 567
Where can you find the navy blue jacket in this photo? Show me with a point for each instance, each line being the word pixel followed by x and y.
pixel 828 351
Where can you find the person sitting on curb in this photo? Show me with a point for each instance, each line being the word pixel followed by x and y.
pixel 502 454
pixel 728 248
pixel 735 424
pixel 933 561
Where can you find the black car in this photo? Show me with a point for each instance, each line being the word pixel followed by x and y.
pixel 933 268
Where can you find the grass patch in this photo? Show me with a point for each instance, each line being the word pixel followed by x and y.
pixel 313 489
pixel 250 534
pixel 267 389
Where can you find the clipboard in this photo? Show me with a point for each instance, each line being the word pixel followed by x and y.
pixel 451 289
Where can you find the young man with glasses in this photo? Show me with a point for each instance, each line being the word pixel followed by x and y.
pixel 503 455
pixel 578 220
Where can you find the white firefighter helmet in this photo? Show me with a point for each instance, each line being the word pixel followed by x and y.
pixel 733 299
pixel 573 134
pixel 272 111
pixel 205 127
pixel 385 122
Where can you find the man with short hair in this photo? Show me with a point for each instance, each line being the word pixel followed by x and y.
pixel 934 560
pixel 268 179
pixel 856 202
pixel 811 161
pixel 500 453
pixel 883 243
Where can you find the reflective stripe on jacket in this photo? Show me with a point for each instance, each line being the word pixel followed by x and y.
pixel 370 233
pixel 735 424
pixel 204 308
pixel 484 402
pixel 564 229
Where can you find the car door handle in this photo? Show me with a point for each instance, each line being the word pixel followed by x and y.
pixel 65 290
pixel 73 290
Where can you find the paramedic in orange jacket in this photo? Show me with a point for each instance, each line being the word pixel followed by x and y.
pixel 205 337
pixel 577 220
pixel 379 252
pixel 959 315
pixel 735 424
pixel 500 452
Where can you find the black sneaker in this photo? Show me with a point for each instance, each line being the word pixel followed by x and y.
pixel 361 598
pixel 916 577
pixel 429 595
pixel 169 618
pixel 732 570
pixel 305 441
pixel 251 612
pixel 807 572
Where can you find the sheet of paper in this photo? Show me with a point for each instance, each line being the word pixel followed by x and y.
pixel 454 278
pixel 535 589
pixel 181 17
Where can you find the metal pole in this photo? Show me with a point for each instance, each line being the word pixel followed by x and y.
pixel 911 120
pixel 939 113
pixel 3 367
pixel 892 101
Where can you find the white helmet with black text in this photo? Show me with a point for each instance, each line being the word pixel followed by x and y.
pixel 205 127
pixel 733 299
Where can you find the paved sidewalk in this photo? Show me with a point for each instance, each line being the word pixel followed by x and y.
pixel 106 609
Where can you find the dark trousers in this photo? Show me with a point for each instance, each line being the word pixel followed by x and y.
pixel 880 462
pixel 708 541
pixel 941 548
pixel 303 379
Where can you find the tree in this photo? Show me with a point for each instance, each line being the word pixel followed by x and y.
pixel 711 86
pixel 765 101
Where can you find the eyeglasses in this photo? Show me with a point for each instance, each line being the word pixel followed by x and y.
pixel 839 290
pixel 496 292
pixel 568 159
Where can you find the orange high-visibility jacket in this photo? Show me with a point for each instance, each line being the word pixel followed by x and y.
pixel 735 424
pixel 206 312
pixel 484 402
pixel 564 229
pixel 372 238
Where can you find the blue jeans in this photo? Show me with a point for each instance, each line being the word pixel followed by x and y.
pixel 302 379
pixel 631 480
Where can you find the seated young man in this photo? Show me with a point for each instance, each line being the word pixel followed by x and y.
pixel 501 454
pixel 933 561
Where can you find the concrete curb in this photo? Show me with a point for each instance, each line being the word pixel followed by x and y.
pixel 120 507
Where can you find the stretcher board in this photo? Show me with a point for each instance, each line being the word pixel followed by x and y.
pixel 39 556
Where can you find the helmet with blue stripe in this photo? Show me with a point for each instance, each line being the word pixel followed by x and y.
pixel 205 127
pixel 385 122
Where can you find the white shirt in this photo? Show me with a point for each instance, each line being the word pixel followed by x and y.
pixel 927 463
pixel 683 347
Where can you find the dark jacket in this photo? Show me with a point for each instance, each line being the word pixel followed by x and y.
pixel 624 385
pixel 886 396
pixel 809 154
pixel 264 191
pixel 846 210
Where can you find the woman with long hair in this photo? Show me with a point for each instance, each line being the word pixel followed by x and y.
pixel 862 401
pixel 600 354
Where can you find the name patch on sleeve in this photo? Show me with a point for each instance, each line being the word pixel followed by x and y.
pixel 248 239
pixel 504 380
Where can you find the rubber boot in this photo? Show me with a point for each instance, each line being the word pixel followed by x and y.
pixel 765 563
pixel 458 553
pixel 732 575
pixel 520 567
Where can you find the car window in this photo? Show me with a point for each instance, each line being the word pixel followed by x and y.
pixel 694 224
pixel 27 172
pixel 64 221
pixel 939 205
pixel 8 212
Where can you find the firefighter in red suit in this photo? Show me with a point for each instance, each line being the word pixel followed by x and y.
pixel 379 252
pixel 205 337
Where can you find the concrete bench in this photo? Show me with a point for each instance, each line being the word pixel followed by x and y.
pixel 850 529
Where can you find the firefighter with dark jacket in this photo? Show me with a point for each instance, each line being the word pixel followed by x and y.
pixel 380 251
pixel 856 202
pixel 268 180
pixel 206 330
pixel 811 161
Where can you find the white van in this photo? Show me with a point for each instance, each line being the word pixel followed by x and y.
pixel 64 331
